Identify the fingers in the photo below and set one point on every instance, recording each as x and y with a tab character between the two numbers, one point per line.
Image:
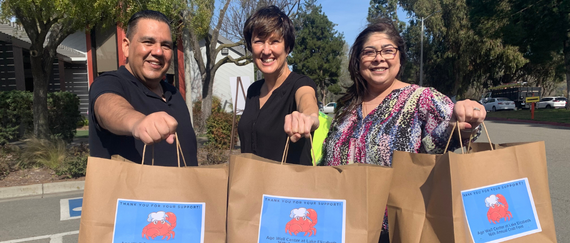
155	128
298	125
469	114
170	139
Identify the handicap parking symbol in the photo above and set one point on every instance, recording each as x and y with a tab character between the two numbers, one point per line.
70	208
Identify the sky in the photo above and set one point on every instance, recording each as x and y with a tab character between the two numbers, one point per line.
350	16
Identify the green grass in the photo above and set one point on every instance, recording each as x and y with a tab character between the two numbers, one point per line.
82	133
549	115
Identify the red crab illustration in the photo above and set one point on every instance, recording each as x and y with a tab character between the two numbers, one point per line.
160	227
499	210
303	224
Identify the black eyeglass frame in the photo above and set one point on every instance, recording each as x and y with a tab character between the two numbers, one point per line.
376	52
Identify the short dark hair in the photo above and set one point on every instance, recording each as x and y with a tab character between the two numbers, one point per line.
266	21
356	91
145	14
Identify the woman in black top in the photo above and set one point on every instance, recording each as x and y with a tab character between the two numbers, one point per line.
282	105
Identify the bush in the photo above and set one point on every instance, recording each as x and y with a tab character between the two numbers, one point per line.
219	127
16	117
9	159
64	114
214	155
83	121
48	153
75	165
15	114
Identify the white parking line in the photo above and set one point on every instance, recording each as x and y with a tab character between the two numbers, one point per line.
55	238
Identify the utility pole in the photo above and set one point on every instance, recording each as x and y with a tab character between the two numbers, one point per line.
422	49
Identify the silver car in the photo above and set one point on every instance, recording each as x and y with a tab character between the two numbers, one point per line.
499	103
551	102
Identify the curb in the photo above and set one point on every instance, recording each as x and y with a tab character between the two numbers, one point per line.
41	189
528	121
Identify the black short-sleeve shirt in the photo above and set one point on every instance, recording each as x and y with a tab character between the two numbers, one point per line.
104	144
261	130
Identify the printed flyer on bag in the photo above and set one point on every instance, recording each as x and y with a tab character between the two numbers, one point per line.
500	212
152	221
303	220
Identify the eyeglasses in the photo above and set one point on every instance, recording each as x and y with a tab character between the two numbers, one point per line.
388	53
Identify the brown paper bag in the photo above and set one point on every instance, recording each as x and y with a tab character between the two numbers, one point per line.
430	194
419	204
493	172
267	201
145	191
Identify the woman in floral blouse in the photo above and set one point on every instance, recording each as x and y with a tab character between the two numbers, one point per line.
380	114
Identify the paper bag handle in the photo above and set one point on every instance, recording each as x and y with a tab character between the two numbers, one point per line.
178	152
456	125
286	150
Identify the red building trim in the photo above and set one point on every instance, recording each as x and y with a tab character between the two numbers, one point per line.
122	60
181	76
90	70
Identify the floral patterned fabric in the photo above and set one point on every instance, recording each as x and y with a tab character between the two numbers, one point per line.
413	119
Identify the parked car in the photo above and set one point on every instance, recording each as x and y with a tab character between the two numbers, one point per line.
516	94
551	102
499	103
329	108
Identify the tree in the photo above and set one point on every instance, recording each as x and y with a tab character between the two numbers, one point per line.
198	19
47	23
411	69
318	49
170	8
457	57
385	9
540	29
382	8
240	10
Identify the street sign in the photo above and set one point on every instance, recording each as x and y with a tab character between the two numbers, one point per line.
532	99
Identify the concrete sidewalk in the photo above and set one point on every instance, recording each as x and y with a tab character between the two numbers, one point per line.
40	189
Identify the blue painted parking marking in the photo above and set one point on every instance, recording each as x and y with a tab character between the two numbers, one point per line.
70	208
75	207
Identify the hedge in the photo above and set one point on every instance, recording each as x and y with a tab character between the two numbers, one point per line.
219	127
16	114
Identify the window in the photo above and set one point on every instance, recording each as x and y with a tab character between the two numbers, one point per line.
225	51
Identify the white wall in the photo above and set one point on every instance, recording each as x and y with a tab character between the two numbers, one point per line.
221	87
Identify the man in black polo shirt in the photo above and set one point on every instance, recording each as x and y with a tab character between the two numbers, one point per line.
132	106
